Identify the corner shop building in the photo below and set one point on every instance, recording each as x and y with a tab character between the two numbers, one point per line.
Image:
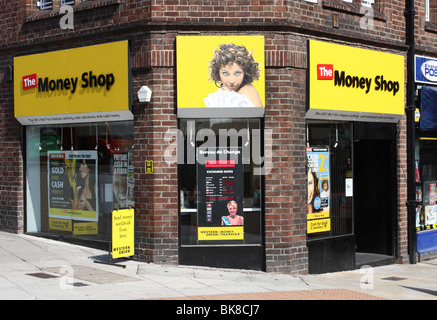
105	144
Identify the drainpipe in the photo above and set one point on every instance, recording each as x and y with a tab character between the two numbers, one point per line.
411	131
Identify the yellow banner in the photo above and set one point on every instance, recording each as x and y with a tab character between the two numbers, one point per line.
123	244
60	224
320	225
73	214
76	85
84	228
348	83
318	215
221	233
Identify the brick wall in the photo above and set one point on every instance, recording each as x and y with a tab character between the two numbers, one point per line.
11	162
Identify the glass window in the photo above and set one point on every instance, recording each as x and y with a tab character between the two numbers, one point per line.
210	182
76	175
426	184
329	163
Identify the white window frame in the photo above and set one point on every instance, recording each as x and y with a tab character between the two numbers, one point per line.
427	10
45	4
66	2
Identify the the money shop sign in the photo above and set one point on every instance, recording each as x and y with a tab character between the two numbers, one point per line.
84	84
348	83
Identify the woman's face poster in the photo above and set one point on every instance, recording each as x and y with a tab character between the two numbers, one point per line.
220	76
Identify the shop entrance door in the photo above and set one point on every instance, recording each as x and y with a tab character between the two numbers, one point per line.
374	200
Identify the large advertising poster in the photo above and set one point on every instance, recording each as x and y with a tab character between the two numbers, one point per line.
318	219
217	72
220	194
72	185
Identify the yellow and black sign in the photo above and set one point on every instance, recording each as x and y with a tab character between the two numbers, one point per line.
85	84
355	84
123	243
221	233
149	166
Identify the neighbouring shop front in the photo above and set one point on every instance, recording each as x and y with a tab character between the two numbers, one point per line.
356	98
75	108
426	157
220	143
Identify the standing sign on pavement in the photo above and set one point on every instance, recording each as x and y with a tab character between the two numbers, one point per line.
123	233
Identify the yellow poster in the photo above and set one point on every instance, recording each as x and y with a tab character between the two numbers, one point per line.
60	224
320	225
220	73
84	228
123	244
221	233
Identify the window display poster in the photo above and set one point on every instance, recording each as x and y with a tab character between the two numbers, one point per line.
72	185
123	180
429	218
318	190
220	194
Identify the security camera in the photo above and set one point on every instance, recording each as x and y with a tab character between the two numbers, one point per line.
144	94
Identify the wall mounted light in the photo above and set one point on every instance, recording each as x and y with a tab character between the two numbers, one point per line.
144	94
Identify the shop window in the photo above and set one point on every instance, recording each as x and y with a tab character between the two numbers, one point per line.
76	175
329	172
426	184
220	197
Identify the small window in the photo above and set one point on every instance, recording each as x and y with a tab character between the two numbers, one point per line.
66	2
45	4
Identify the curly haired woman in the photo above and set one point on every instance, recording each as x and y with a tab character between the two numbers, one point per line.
233	68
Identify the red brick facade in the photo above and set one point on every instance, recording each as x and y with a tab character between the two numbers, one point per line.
151	26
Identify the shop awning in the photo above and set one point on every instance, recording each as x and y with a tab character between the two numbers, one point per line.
428	108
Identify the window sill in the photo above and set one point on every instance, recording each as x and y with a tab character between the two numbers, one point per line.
81	6
351	8
430	27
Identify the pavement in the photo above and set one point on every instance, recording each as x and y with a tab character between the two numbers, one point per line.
35	268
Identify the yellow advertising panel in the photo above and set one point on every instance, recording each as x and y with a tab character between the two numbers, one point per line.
85	228
320	225
221	233
123	244
348	83
204	88
85	84
60	224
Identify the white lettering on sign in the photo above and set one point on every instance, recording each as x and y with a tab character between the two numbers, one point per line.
29	81
325	71
429	70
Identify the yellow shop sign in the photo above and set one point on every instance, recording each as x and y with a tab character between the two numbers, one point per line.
348	83
85	84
